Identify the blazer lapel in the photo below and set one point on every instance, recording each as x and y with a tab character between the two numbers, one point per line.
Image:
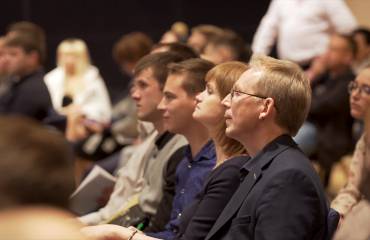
254	167
236	201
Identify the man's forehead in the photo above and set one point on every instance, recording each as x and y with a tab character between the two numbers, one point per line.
144	75
248	78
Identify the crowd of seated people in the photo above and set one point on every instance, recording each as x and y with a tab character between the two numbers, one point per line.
209	140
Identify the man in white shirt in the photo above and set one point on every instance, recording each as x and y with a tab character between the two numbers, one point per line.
302	28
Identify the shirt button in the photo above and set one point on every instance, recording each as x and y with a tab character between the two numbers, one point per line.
179	215
182	191
189	166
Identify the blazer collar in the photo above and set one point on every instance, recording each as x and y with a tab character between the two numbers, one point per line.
272	149
253	171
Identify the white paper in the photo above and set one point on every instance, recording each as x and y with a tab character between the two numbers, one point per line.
85	197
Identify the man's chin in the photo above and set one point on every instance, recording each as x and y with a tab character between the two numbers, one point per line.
229	132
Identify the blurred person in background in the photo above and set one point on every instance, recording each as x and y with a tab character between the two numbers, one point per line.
200	36
75	82
33	31
178	33
351	194
37	165
302	28
27	94
327	132
353	201
177	47
228	47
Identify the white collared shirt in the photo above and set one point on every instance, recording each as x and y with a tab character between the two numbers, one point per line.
302	27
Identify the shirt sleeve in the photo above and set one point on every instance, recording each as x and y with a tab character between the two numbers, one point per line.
267	31
340	16
218	194
350	194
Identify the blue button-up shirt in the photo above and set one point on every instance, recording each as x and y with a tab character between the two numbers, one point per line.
190	176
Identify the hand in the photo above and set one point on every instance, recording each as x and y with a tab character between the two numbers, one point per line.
104	197
93	126
106	232
75	128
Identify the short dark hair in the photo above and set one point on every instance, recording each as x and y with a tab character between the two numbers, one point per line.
158	63
180	48
26	43
195	70
37	162
365	32
31	31
131	47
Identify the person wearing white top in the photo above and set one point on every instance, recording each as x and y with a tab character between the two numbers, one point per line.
302	28
76	82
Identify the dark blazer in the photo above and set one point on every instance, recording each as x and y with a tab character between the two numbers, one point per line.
281	197
330	112
198	218
28	96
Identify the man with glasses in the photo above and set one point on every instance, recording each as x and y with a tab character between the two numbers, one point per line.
280	195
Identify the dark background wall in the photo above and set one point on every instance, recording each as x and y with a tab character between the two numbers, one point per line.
101	23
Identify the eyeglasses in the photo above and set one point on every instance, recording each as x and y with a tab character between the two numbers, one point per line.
352	86
235	92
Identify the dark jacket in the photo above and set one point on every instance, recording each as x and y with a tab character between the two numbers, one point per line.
27	96
281	197
330	112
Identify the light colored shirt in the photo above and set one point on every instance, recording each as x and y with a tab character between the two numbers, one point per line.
350	195
140	176
302	27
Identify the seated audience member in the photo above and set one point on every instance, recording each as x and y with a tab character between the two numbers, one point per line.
178	33
228	47
33	31
197	219
350	195
75	82
27	95
201	34
39	223
328	131
177	108
37	165
140	178
356	224
180	48
281	196
362	59
127	51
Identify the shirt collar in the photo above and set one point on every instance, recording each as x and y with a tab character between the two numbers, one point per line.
163	139
206	152
268	152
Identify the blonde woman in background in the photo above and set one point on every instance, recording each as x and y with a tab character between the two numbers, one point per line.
75	82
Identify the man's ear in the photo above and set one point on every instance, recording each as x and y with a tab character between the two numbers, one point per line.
34	57
268	108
